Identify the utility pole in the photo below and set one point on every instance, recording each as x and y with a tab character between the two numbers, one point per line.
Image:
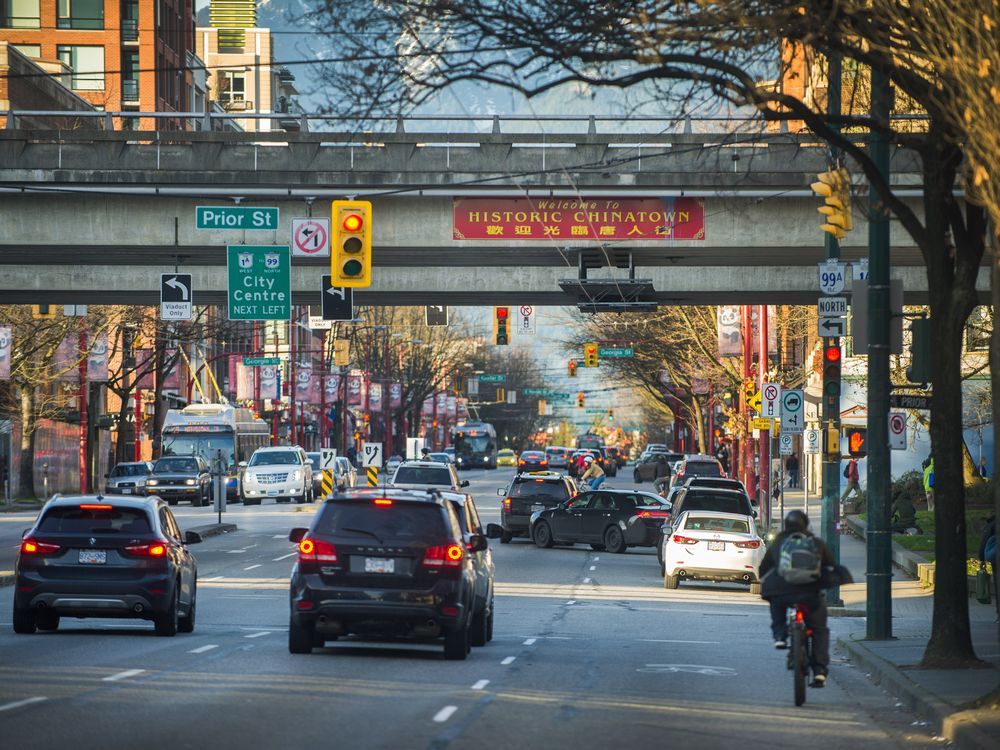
764	449
879	474
84	385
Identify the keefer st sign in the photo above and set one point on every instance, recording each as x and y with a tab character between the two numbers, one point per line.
259	282
235	217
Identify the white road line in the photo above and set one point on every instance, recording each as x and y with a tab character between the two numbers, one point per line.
234	551
285	557
480	685
280	536
25	702
508	660
251	567
258	635
571	601
215	578
530	642
593	567
586	580
123	675
597	558
445	713
659	640
203	649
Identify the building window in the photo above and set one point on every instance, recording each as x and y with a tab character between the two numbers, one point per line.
80	14
978	329
34	51
232	87
19	14
86	64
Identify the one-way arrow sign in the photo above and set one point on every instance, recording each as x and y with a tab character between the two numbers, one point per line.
832	327
338	301
175	296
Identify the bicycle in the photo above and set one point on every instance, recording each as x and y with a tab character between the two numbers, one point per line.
800	651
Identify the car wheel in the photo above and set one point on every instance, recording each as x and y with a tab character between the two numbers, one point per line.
637	477
542	535
755	588
47	620
670	582
479	629
489	624
166	625
614	540
300	638
24	621
456	643
185	624
663	568
597	547
506	536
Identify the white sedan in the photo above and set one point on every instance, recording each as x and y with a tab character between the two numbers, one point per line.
710	546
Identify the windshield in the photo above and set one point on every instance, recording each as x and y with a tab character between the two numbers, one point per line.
473	444
441	457
205	445
421	523
313	460
76	520
175	465
130	470
552	490
275	458
702	468
422	475
730	503
708	523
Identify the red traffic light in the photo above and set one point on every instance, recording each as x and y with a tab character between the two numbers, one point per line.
831	354
502	313
353	222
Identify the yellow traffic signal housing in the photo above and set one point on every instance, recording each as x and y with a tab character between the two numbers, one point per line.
43	312
341	352
832	441
835	188
351	243
590	355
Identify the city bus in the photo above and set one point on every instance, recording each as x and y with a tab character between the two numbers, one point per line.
475	445
207	429
589	440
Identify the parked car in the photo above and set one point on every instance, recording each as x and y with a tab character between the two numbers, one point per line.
181	478
528	493
697	465
128	478
712	546
424	474
558	456
99	556
532	461
506	457
345	475
386	560
645	467
481	627
442	457
281	472
605	519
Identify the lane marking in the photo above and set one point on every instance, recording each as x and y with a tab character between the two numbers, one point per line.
661	640
480	684
445	713
25	702
597	558
280	536
593	567
530	642
252	567
508	660
586	580
123	675
203	649
285	557
258	635
571	601
216	578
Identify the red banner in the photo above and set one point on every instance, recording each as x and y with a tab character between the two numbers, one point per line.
579	219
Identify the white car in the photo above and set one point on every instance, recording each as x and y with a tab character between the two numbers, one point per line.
424	474
706	545
283	473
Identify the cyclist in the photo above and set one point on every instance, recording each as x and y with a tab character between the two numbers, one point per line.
594	475
781	594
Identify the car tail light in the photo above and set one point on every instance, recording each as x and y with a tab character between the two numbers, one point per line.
506	505
317	550
91	506
383	501
749	545
449	611
153	549
31	546
683	539
653	514
543	462
444	556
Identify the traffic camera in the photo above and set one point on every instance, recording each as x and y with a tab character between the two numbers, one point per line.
351	249
590	355
835	188
501	326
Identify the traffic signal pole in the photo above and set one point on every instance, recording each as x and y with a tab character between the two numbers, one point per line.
879	576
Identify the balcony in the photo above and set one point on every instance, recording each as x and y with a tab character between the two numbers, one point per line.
237	105
130	30
130	92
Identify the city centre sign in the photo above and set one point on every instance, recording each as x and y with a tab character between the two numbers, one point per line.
260	283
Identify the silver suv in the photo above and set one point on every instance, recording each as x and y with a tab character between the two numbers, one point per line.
128	478
282	472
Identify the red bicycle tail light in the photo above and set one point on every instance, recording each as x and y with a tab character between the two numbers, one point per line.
31	546
683	539
353	222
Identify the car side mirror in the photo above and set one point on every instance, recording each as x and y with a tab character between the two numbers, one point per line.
667	529
192	537
243	464
295	535
465	483
478	543
753	513
501	492
494	530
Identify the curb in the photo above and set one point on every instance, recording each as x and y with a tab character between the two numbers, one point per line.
960	727
6	579
214	529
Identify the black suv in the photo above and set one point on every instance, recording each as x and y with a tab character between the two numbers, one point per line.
181	478
528	493
697	497
95	556
385	561
481	628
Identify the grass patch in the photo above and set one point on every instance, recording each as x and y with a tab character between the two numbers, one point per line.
975	519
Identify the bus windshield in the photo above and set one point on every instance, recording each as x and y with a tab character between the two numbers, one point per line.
472	444
205	444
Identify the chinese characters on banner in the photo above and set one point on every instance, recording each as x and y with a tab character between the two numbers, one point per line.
6	347
578	218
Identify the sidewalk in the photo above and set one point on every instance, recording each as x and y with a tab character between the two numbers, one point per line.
946	697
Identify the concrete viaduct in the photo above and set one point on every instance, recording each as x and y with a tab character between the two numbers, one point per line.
95	216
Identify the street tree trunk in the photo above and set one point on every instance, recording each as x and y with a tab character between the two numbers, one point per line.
994	235
26	470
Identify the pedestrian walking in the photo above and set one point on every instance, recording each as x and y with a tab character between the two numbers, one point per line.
988	554
982	468
853	477
929	482
792	465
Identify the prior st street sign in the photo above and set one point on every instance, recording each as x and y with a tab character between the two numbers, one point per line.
259	282
235	217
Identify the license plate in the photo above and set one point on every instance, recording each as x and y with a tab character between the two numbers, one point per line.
93	556
537	507
716	546
380	565
272	493
126	490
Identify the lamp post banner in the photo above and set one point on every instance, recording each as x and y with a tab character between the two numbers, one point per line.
97	359
5	350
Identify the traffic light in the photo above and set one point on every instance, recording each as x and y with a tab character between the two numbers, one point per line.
835	188
40	312
501	326
572	368
611	413
580	398
541	407
351	249
919	370
831	376
857	441
590	355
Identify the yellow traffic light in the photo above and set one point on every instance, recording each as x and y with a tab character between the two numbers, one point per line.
40	312
580	399
835	188
341	352
351	243
572	368
590	355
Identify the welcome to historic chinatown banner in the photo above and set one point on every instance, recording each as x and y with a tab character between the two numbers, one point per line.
579	219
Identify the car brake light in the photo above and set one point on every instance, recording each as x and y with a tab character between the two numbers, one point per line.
316	550
445	555
749	545
154	549
96	507
506	504
653	514
383	501
683	539
31	546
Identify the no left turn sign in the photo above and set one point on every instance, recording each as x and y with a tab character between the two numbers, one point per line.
311	238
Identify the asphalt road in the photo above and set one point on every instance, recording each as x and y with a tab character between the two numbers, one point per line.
590	651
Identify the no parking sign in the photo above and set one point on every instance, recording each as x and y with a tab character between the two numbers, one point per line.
897	431
526	319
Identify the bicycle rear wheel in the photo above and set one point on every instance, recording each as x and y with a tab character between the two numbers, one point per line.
800	663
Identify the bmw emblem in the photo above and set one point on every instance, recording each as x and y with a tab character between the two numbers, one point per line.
93	541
